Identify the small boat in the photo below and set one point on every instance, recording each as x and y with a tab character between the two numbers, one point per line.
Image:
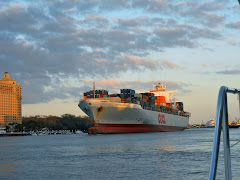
233	125
2	131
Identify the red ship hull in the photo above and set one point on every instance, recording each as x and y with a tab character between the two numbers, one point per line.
130	128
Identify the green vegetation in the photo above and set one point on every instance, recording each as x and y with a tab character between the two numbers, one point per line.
65	122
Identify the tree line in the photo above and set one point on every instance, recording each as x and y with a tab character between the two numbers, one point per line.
64	122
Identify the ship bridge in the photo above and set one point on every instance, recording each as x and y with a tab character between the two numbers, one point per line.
160	90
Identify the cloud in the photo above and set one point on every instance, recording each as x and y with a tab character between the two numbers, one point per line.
180	35
228	72
212	20
48	43
16	6
107	83
234	25
193	11
170	65
153	6
202	12
233	42
223	72
143	62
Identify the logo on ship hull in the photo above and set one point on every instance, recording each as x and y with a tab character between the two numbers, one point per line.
161	119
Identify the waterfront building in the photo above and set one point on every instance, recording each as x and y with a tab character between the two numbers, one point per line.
10	101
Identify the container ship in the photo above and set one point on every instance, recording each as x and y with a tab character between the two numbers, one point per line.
130	112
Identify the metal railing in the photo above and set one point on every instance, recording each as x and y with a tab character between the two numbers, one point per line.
222	123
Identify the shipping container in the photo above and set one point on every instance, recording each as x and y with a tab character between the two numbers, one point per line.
89	94
168	105
114	95
128	91
160	98
150	94
139	95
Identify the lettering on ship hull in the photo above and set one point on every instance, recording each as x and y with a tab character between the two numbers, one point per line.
161	119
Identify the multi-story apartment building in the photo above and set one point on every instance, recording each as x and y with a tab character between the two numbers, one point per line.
10	101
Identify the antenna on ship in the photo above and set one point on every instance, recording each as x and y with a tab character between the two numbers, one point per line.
93	89
153	85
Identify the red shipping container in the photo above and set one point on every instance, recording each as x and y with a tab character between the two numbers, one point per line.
84	97
161	97
150	94
168	104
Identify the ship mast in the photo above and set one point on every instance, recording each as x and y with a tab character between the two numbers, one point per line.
93	89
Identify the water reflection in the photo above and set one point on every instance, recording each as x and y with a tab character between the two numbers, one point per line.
163	148
8	151
125	148
6	167
114	148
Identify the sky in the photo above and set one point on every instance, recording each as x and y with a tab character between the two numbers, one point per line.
57	49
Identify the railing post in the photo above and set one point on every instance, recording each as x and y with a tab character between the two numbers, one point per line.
217	134
222	122
239	102
227	158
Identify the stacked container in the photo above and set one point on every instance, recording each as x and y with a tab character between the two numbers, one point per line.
160	101
148	100
179	105
114	95
98	94
127	95
168	106
137	98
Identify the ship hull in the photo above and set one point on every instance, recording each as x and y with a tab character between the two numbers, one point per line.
112	116
130	128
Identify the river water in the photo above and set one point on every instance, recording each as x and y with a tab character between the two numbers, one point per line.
165	155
